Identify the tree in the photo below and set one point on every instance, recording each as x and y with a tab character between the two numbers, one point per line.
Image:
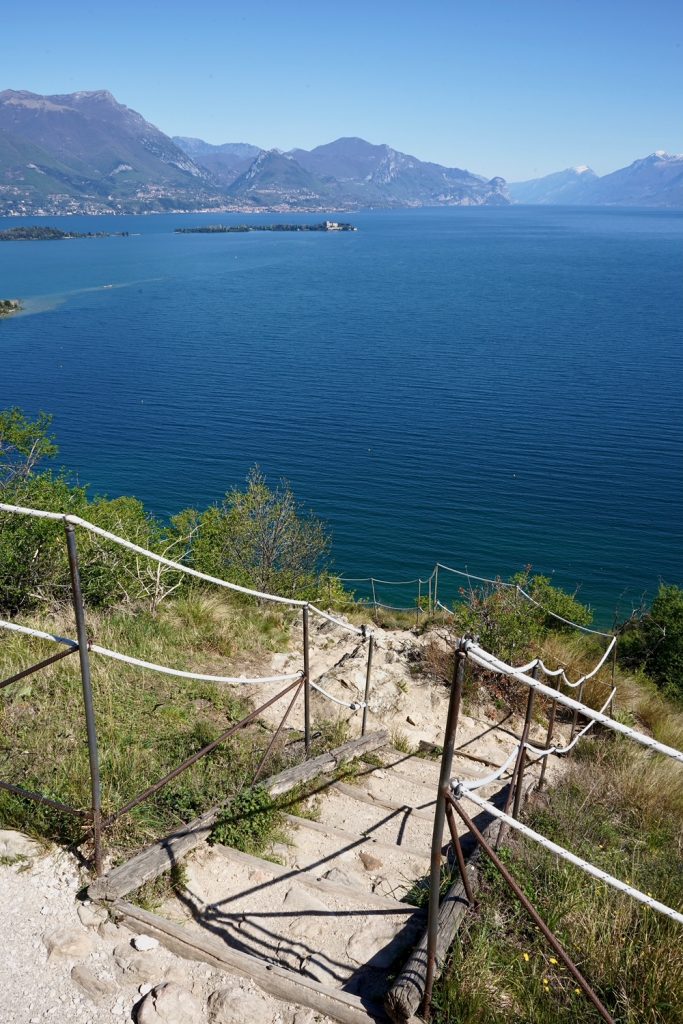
262	538
24	443
653	640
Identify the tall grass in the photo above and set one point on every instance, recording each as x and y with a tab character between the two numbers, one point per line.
147	723
621	808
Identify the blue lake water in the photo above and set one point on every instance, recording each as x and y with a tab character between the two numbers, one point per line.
487	387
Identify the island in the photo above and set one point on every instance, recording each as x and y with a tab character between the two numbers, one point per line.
38	233
9	306
240	229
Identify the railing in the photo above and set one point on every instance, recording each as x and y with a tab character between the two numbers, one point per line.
296	683
452	792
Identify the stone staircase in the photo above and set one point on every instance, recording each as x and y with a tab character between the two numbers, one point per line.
334	901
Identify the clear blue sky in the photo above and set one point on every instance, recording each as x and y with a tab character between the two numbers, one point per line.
512	87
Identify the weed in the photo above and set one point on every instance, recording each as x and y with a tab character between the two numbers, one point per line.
249	823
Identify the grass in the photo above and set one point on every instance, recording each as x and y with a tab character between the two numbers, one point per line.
147	723
621	808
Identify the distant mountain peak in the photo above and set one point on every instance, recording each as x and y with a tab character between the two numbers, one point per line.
583	169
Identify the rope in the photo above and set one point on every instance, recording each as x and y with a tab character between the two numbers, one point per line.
165	670
565	750
77	521
471	576
354	705
560	851
493	664
16	628
567	622
480	783
339	622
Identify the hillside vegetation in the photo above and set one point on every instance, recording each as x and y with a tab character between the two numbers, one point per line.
618	805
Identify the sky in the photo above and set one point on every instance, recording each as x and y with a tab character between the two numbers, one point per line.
517	88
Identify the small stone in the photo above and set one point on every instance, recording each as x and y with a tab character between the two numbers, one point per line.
369	862
235	1005
16	844
109	931
146	987
341	877
414	718
171	1004
95	987
91	915
379	774
144	942
69	942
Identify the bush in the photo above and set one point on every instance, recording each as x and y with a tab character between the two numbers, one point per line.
654	641
263	538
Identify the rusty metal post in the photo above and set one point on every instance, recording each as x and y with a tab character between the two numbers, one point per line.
453	826
307	683
535	916
549	734
519	779
436	586
419	598
439	820
86	683
575	716
366	697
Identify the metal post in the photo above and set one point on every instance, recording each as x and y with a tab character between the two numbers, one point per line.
519	779
534	915
307	685
436	585
371	647
575	716
419	598
453	826
429	597
91	729
549	734
374	598
439	820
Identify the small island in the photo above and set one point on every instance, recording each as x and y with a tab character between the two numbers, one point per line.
9	306
240	229
38	233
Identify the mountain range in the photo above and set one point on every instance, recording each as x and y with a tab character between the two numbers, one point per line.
84	152
656	180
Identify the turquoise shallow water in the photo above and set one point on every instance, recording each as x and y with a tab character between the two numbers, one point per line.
489	387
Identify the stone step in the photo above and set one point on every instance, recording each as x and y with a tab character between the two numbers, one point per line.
326	930
361	861
346	807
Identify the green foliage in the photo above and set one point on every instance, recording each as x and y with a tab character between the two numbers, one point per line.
249	823
510	625
24	443
263	538
654	642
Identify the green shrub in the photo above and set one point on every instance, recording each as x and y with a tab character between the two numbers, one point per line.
249	823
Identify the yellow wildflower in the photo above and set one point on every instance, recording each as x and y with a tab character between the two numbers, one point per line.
553	960
526	957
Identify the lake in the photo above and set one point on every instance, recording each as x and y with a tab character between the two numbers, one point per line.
488	387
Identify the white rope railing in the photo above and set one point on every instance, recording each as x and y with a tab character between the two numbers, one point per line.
150	666
479	579
181	674
354	705
571	858
492	664
340	622
560	618
547	751
14	627
161	559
